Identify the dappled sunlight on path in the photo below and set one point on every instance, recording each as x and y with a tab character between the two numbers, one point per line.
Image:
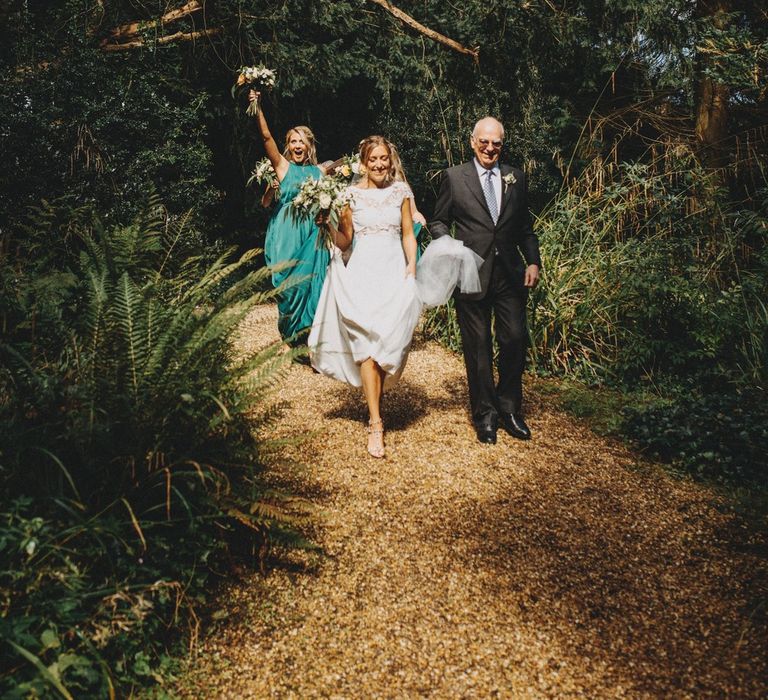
553	568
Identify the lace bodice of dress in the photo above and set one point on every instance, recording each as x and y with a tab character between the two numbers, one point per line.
377	211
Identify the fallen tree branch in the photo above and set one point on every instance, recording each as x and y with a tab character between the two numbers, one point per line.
178	36
426	31
133	28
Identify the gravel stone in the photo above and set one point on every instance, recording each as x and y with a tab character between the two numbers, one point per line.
560	567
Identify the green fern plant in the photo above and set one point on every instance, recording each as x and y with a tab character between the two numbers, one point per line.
131	430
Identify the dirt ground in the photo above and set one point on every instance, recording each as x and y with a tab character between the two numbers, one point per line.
559	567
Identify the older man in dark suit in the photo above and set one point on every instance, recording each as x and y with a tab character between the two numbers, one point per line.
488	204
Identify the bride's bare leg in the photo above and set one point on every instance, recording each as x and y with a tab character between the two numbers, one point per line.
373	383
372	376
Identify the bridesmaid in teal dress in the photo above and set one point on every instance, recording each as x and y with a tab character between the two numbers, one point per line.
289	239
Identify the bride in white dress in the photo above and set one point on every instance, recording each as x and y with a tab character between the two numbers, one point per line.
369	308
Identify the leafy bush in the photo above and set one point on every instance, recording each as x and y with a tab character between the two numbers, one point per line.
127	423
640	295
720	435
103	130
633	288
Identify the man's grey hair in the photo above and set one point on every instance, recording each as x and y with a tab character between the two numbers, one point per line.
488	120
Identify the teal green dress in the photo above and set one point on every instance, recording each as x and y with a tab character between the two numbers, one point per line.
289	238
417	229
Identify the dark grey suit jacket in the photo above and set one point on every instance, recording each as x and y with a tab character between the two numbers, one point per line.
511	242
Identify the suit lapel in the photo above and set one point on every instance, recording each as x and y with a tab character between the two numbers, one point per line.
473	184
507	191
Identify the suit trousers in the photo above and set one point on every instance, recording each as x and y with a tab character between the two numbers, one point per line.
506	302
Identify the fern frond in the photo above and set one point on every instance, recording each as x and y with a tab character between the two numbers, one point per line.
169	328
216	274
129	316
95	331
172	238
94	256
20	371
267	512
252	281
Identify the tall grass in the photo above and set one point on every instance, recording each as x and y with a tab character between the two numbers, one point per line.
638	265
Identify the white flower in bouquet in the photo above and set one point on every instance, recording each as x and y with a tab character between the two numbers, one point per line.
324	198
264	173
258	78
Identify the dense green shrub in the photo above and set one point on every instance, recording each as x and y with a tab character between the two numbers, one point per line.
713	434
634	288
102	131
127	442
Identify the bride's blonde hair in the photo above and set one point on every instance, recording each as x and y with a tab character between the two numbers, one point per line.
394	156
308	137
371	142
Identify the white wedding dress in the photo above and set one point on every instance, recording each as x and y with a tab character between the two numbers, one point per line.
369	308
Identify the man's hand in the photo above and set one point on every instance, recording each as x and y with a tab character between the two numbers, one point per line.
531	276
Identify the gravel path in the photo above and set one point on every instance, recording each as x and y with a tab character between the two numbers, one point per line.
553	568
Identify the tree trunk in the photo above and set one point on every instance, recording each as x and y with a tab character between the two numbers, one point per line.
711	96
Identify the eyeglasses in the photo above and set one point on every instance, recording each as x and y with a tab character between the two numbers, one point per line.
484	143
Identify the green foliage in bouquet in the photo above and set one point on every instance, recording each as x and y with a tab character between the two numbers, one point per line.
326	197
264	174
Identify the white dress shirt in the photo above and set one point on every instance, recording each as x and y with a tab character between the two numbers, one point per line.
496	179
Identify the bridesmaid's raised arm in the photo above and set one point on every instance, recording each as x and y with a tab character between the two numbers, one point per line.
279	162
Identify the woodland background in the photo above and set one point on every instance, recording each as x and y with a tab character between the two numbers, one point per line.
127	262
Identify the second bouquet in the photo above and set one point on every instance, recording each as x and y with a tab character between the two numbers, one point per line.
322	199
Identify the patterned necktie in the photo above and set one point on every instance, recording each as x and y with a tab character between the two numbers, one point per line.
490	196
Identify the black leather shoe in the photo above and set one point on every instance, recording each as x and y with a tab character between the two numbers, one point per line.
486	434
514	424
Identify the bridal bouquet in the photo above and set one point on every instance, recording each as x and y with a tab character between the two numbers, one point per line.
264	173
347	167
256	78
324	198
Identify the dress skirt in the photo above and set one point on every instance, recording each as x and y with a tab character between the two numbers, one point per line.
367	309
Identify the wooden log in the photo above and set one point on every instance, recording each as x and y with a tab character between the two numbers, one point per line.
131	29
162	40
